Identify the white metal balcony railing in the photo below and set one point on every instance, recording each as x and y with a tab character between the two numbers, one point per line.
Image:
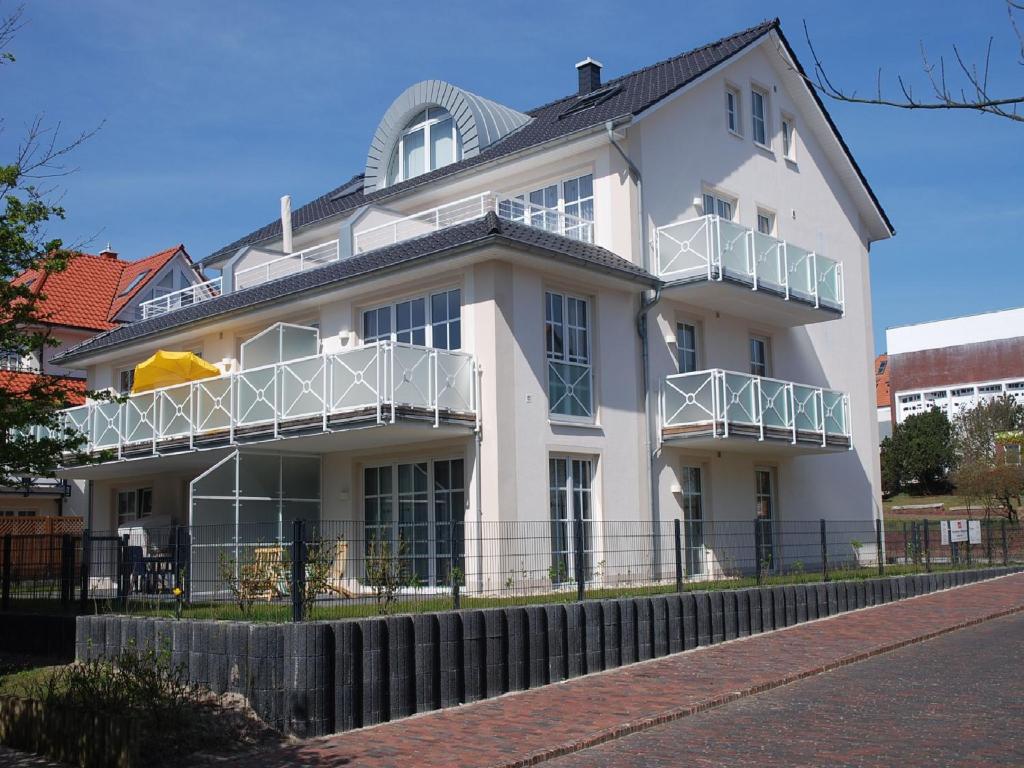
467	209
711	247
373	381
184	297
289	264
725	400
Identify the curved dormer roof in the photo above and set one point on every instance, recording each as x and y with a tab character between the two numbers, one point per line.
480	123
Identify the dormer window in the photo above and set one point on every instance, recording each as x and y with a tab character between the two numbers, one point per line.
429	141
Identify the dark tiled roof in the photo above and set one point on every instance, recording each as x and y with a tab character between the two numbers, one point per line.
484	230
635	92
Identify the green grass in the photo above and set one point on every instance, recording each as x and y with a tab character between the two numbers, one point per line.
20	681
281	612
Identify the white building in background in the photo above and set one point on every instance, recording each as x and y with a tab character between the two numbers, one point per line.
645	300
956	363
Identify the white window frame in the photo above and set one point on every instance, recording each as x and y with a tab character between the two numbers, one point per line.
551	356
136	495
680	349
569	496
769	215
522	197
398	156
788	129
718	200
766	341
125	375
762	92
428	312
773	502
735	115
693	527
434	553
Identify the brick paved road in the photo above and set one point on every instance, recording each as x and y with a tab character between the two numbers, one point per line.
524	728
947	701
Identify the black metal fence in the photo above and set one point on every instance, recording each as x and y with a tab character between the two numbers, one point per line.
298	569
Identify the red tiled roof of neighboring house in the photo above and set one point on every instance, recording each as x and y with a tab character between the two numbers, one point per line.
882	381
94	288
18	382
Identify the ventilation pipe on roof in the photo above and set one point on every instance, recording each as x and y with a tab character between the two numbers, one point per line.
108	252
286	223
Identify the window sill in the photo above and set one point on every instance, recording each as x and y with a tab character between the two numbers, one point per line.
765	148
791	163
587	425
734	134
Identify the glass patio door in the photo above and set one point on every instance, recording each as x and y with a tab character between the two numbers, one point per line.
764	500
693	519
570	493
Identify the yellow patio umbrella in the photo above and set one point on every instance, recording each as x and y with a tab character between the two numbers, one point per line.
165	369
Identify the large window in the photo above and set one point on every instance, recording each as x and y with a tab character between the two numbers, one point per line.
434	321
759	116
764	507
541	207
570	491
430	140
686	347
692	491
718	205
567	343
416	509
135	504
759	356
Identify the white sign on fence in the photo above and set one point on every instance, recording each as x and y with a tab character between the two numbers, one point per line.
955	530
974	531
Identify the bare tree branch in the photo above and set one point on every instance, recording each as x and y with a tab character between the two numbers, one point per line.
973	95
9	26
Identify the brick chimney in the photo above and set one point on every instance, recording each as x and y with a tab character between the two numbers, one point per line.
108	253
589	75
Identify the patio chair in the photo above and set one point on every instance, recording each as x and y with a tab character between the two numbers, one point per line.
262	578
336	575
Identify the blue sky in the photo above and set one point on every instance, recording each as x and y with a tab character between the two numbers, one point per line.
214	110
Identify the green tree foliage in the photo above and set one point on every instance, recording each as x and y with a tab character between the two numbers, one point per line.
919	455
975	430
26	207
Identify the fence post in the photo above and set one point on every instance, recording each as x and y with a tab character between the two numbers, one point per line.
67	569
580	570
298	585
453	564
988	541
927	548
83	585
123	575
757	548
1006	557
679	554
906	545
824	552
878	546
7	548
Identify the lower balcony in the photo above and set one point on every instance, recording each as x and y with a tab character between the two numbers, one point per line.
715	408
385	383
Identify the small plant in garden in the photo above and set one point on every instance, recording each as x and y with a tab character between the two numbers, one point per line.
319	563
797	567
557	572
386	572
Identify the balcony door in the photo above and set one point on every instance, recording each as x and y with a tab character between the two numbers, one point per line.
570	491
764	506
693	518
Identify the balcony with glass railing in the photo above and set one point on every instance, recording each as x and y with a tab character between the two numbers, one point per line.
714	408
288	264
715	252
378	384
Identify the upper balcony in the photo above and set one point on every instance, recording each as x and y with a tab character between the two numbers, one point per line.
378	384
184	297
753	413
713	259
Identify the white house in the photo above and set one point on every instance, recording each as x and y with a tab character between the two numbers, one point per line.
647	300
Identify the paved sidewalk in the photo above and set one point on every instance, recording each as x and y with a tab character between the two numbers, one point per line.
953	700
525	728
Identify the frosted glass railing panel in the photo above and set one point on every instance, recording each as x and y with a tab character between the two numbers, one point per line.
106	430
806	410
801	270
569	388
213	404
768	261
301	388
684	249
455	381
140	418
734	249
830	284
834	407
255	396
411	375
739	396
775	405
78	418
356	378
689	398
174	411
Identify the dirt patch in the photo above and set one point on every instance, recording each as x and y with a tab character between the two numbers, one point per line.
224	726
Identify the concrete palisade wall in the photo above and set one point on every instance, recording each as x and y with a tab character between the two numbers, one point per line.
316	678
